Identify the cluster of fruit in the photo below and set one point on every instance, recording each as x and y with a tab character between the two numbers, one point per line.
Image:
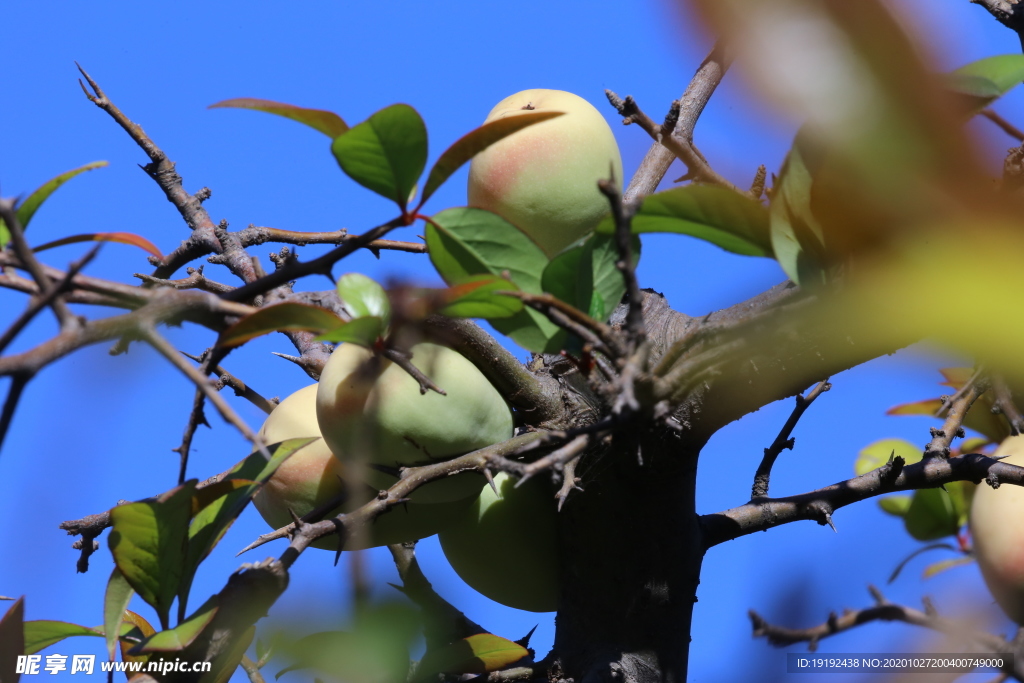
374	420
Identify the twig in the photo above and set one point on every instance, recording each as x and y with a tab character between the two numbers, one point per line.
31	264
557	458
953	425
293	269
241	389
591	331
1003	124
883	610
195	280
40	302
658	158
570	482
623	215
14	391
162	170
683	149
784	440
252	670
1003	404
154	339
404	361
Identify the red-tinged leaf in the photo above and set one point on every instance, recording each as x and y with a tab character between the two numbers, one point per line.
476	141
477	654
142	629
928	407
115	602
939	567
327	122
288	316
27	209
120	237
12	641
956	377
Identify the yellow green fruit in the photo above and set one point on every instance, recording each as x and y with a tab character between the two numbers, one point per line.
372	410
312	477
506	547
998	534
543	179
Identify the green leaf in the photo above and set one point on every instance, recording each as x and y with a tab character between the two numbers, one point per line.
585	276
796	237
476	141
12	640
477	298
287	316
115	601
363	331
931	515
215	518
182	635
714	214
362	296
480	653
327	122
120	237
989	78
27	209
895	505
386	153
148	542
43	633
877	454
463	242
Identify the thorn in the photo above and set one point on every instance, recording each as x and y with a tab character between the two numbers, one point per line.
295	359
828	518
490	480
525	640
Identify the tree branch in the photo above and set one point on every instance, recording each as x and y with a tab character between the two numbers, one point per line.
767	513
784	440
658	159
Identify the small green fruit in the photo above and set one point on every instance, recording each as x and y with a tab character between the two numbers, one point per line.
312	477
372	409
543	179
507	547
998	535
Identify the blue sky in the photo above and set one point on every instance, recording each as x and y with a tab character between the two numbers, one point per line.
93	429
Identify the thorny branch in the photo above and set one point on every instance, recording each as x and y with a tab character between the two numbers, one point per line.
784	440
699	169
658	158
1009	13
883	610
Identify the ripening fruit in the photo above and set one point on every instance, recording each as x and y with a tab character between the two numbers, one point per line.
507	547
998	534
371	409
312	477
543	179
